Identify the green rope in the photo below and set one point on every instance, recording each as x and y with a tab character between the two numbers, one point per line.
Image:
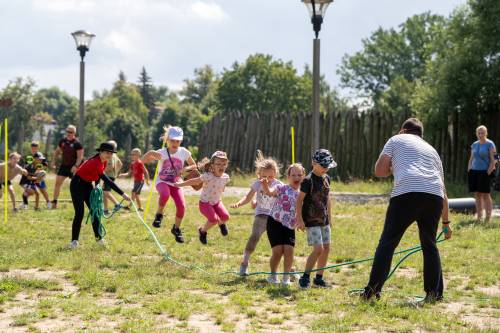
96	210
167	256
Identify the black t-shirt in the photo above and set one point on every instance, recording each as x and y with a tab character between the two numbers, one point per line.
315	206
69	148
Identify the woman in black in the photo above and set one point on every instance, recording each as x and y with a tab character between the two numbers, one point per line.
92	170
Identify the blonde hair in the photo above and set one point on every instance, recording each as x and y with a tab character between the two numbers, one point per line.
136	151
14	154
293	166
482	127
71	127
265	163
164	137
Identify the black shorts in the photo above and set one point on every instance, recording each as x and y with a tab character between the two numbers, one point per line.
137	187
278	234
479	181
106	187
65	171
2	183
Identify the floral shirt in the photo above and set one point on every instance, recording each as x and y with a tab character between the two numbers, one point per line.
213	187
284	207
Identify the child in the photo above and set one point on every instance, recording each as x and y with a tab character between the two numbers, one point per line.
281	222
172	160
13	169
214	180
92	170
33	179
314	214
42	186
266	168
112	169
139	171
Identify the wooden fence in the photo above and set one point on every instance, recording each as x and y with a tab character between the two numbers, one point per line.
355	139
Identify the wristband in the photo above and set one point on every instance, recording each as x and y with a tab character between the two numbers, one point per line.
445	223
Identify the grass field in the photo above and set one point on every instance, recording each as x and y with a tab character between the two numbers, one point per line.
128	287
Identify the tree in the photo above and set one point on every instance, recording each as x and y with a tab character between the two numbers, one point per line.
201	90
391	56
145	84
21	113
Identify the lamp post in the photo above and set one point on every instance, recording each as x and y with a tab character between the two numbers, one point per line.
82	40
317	11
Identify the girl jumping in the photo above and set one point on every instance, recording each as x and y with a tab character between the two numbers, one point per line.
214	180
281	222
265	168
172	160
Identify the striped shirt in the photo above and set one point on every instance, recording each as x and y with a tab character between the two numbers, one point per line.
416	165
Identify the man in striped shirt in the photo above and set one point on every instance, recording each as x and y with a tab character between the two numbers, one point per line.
418	195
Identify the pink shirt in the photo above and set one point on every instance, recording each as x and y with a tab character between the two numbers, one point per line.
213	187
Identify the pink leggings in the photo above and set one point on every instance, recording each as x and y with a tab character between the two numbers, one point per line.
166	191
214	213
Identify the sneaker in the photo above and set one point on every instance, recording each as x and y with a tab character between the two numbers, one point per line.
73	245
294	277
157	220
127	208
102	242
15	210
49	205
37	209
203	236
177	233
431	298
223	229
319	282
106	212
273	279
23	206
243	270
304	282
285	281
140	210
54	204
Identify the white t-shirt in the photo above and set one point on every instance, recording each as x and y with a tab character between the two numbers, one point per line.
264	201
168	173
416	165
213	187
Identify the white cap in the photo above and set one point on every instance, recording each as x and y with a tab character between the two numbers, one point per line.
175	133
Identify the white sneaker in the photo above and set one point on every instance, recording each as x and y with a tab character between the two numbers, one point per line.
73	245
102	242
23	206
49	205
285	282
273	279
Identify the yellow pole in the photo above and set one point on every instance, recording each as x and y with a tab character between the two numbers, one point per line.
292	133
152	187
5	202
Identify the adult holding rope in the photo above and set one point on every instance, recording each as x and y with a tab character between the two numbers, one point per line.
92	170
419	194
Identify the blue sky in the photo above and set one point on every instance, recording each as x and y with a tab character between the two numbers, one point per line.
172	38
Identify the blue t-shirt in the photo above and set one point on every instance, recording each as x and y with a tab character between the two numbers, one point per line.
481	154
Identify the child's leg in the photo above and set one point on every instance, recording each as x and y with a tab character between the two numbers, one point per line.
137	199
37	199
313	257
180	204
164	194
323	258
45	194
288	258
276	255
106	198
221	212
258	228
12	195
208	211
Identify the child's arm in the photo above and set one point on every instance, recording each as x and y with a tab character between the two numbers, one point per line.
298	211
190	182
265	187
329	209
125	174
246	199
146	174
151	155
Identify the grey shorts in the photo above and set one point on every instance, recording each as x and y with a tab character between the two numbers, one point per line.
137	187
318	235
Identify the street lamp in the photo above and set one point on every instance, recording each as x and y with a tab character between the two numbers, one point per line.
82	40
317	11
